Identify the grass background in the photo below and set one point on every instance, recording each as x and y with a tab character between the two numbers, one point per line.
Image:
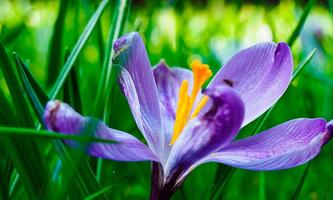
63	51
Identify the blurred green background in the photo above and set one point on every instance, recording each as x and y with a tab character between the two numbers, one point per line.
178	32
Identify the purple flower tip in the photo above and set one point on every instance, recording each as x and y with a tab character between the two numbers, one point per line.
123	43
119	44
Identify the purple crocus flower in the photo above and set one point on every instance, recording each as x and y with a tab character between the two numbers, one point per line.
184	127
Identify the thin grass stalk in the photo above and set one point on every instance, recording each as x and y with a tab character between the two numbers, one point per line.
77	49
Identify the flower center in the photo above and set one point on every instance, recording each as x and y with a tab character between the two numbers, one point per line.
201	73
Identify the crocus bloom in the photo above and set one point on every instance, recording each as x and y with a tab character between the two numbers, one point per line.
184	127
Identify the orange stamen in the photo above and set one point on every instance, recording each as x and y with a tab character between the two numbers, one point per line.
201	73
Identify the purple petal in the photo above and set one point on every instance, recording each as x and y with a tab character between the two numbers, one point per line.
287	145
215	127
130	53
60	117
168	81
260	74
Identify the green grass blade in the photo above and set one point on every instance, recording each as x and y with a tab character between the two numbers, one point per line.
14	183
5	171
330	6
42	96
38	106
77	49
222	173
226	173
301	182
14	86
76	170
102	105
99	193
103	92
86	177
302	65
29	185
71	89
24	132
78	174
67	85
6	117
32	167
262	190
6	110
262	120
301	22
9	35
100	40
55	48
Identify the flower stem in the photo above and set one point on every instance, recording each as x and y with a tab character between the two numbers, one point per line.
162	188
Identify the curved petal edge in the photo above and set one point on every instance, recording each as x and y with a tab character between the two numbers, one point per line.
260	74
284	146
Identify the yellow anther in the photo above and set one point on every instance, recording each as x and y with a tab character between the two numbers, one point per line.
182	95
183	110
201	73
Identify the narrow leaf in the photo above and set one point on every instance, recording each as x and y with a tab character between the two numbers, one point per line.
226	174
102	105
76	170
77	49
71	88
42	96
34	99
14	86
55	48
301	22
103	92
99	193
262	190
6	114
301	182
302	65
14	131
32	167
